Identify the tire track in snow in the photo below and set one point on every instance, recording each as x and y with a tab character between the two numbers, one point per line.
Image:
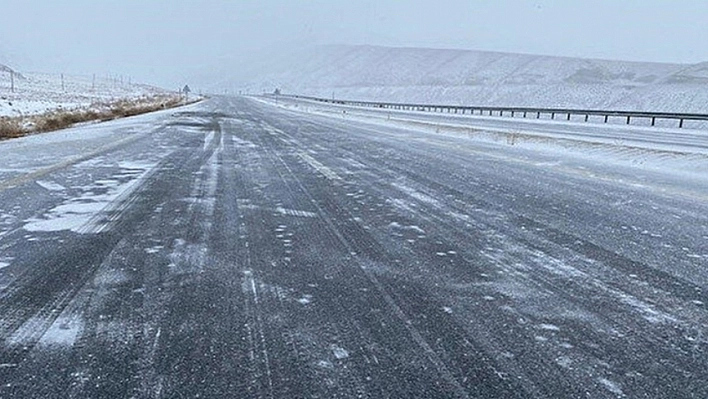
417	337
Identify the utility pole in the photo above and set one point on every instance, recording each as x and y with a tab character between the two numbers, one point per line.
93	83
62	83
12	81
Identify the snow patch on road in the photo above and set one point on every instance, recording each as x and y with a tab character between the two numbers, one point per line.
110	278
416	229
51	186
611	386
63	332
187	258
155	249
305	300
647	311
417	194
240	143
295	212
70	216
339	352
565	362
81	214
208	139
318	166
549	327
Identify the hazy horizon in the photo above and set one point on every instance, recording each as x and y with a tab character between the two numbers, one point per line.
169	43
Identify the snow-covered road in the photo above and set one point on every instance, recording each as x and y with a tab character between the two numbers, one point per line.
236	249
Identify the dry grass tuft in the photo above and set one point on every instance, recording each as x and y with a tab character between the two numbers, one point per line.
58	120
10	128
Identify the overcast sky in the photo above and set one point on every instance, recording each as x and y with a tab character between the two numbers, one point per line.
164	41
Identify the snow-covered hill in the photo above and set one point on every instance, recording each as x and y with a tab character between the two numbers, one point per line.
477	77
36	93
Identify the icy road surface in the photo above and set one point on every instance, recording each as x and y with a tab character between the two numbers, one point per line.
238	250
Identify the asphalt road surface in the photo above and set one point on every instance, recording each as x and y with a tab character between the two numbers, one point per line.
237	250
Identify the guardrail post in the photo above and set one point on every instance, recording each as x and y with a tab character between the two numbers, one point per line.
553	115
653	121
607	118
568	116
538	115
629	118
524	114
587	117
681	123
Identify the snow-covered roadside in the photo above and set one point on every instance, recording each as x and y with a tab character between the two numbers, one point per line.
14	127
32	103
673	152
38	93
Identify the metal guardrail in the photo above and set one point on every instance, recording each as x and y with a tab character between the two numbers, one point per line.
536	113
